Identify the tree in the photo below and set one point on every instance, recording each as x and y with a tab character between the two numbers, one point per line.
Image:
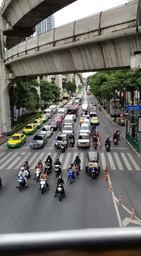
70	86
49	91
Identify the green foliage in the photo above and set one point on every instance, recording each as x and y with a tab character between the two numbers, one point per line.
70	86
49	91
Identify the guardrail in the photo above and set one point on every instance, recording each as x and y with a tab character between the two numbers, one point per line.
133	142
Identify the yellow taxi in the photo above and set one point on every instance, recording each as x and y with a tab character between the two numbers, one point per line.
94	120
30	129
16	140
44	118
38	123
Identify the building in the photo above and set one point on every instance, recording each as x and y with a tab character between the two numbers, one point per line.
45	25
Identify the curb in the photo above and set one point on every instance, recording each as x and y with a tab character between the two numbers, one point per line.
138	154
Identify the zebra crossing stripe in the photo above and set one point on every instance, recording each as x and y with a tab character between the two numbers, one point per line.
14	162
126	162
133	162
8	160
112	166
82	160
22	161
1	154
54	157
32	158
120	166
66	163
5	157
61	157
103	161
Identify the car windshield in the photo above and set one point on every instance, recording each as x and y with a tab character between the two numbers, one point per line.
67	128
59	138
28	127
94	118
83	137
45	129
84	127
37	137
15	138
53	123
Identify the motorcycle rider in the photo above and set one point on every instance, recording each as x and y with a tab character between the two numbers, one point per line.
60	182
57	162
108	141
118	133
71	172
49	160
22	173
39	165
44	177
77	161
71	139
64	143
115	136
26	165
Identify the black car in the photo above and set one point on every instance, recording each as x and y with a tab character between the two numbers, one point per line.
39	141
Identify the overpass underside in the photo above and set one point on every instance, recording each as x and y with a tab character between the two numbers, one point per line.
103	53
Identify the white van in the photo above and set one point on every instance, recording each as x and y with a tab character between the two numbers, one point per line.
48	112
54	108
68	120
61	112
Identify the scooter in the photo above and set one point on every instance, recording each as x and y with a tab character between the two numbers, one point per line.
115	141
21	182
71	177
60	192
108	147
95	145
43	185
57	170
62	147
37	174
48	168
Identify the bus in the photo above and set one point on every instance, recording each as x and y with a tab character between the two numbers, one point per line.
73	109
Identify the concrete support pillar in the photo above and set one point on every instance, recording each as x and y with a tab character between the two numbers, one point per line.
58	81
5	117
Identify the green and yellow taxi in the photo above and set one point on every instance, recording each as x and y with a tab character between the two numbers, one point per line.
30	129
121	121
44	118
94	120
16	140
38	123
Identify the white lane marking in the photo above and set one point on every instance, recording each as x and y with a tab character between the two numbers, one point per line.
31	160
120	166
126	162
54	157
7	156
66	162
61	157
112	166
22	161
103	161
8	160
133	162
1	154
82	160
13	163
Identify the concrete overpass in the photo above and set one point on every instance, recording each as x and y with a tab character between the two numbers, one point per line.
103	41
20	17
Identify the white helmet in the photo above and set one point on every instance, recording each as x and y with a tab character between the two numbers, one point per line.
22	168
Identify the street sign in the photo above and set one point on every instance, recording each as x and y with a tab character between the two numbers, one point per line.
133	107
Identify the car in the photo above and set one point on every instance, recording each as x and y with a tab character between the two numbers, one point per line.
47	130
84	128
54	125
30	129
94	120
44	118
39	141
92	114
38	122
92	166
68	129
86	121
83	140
82	118
58	119
16	140
59	139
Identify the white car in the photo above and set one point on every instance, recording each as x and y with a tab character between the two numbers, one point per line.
84	128
68	129
48	130
83	140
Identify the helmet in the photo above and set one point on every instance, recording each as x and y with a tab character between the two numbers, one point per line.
22	168
40	161
71	165
25	161
48	156
108	136
60	177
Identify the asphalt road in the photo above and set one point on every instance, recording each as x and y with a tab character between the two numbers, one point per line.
88	204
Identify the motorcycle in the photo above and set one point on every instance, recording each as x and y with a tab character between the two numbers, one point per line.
115	141
93	172
57	170
71	177
37	174
48	167
21	182
95	145
62	147
43	185
60	192
108	147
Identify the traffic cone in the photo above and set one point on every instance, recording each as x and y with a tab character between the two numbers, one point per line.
133	215
106	176
120	200
111	188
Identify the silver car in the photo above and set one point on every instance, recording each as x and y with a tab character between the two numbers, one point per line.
47	129
68	129
83	140
84	128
